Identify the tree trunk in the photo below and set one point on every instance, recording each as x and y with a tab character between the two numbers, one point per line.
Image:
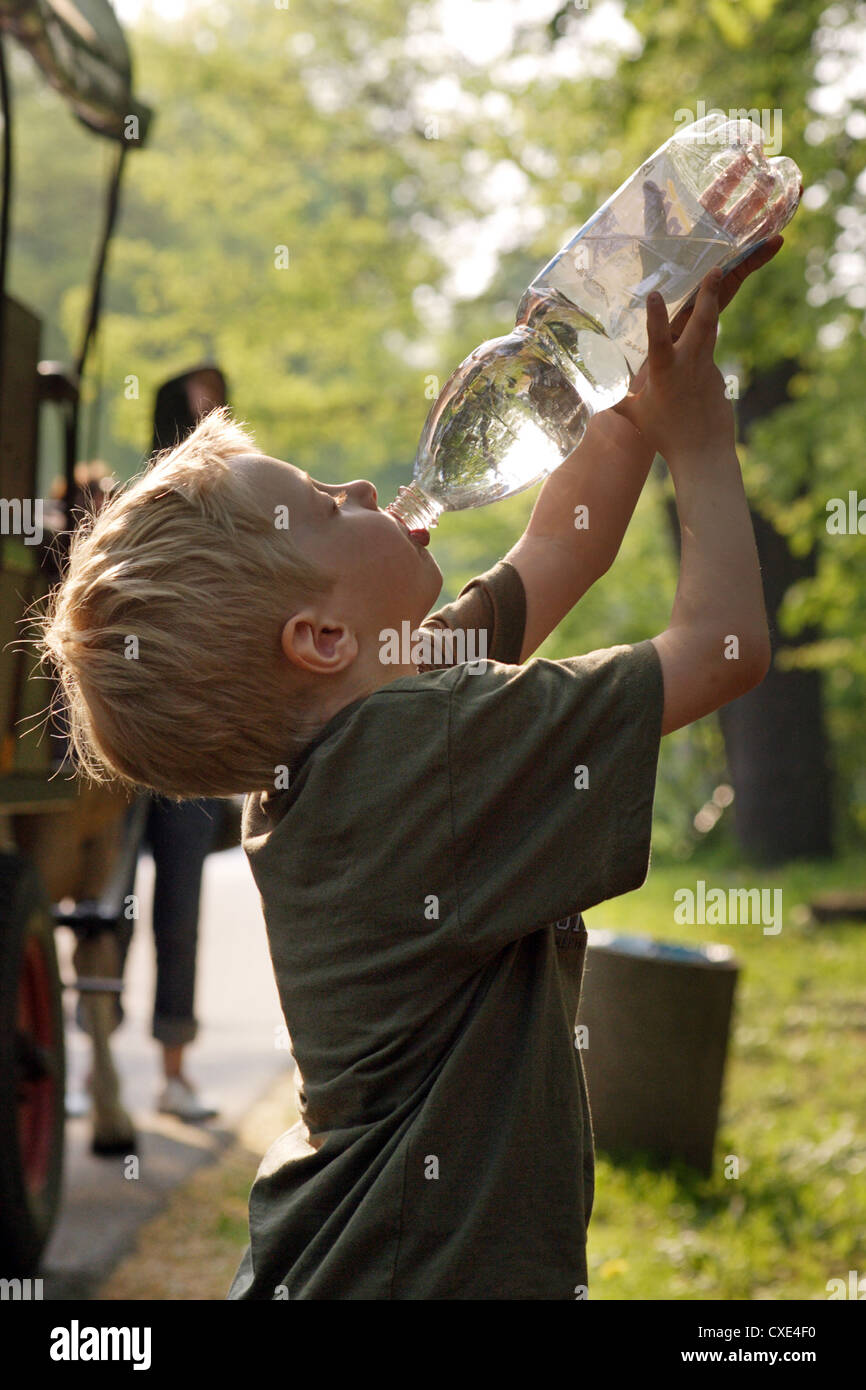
775	738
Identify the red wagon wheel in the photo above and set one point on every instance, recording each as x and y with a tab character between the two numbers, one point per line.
32	1068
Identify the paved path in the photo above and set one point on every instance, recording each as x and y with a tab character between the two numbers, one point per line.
234	1060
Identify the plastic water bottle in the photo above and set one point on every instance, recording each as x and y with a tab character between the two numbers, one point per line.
518	405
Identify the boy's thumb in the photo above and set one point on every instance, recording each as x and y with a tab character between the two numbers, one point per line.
625	407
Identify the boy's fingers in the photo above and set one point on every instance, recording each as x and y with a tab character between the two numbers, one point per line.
661	343
733	279
703	324
624	408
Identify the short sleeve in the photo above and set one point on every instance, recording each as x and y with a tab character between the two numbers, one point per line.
493	603
552	768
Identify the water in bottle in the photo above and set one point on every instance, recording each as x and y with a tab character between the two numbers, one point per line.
518	405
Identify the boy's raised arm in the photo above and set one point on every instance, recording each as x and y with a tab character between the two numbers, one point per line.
578	523
563	552
716	645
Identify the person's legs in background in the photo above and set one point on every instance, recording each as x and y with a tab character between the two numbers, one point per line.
180	836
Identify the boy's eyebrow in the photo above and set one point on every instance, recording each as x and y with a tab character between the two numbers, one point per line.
319	491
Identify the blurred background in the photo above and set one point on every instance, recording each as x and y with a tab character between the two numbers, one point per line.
337	202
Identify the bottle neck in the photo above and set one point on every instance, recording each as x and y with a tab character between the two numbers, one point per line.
415	508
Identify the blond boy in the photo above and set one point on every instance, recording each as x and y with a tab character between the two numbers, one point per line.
424	837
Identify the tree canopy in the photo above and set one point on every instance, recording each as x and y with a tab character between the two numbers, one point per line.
338	202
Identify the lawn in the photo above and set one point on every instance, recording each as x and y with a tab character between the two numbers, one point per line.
792	1113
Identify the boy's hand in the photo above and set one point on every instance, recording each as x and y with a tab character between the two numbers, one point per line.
682	408
733	279
731	282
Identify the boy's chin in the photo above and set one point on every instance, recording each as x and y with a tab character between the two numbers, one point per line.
435	581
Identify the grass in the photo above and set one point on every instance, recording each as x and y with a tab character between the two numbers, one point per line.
792	1114
192	1249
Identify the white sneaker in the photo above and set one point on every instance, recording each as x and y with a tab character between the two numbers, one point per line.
179	1098
78	1104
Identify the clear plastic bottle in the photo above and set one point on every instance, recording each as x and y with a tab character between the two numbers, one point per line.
518	405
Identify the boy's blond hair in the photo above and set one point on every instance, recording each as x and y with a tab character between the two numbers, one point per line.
165	632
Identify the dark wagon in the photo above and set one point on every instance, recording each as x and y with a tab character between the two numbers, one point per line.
80	49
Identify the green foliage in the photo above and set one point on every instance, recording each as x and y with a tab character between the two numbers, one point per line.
362	143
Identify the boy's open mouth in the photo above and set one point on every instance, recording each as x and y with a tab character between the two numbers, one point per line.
421	535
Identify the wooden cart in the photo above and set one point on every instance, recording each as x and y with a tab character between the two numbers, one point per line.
49	826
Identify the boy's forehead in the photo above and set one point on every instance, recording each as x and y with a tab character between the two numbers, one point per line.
266	469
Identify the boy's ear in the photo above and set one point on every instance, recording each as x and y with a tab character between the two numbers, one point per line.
311	642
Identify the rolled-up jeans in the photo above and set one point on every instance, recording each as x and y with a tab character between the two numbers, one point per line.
180	836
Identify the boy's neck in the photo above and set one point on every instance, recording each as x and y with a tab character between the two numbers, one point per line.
361	681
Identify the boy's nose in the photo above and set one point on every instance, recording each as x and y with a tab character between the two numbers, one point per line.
365	492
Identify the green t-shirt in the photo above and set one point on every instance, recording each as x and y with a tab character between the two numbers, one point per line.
422	878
